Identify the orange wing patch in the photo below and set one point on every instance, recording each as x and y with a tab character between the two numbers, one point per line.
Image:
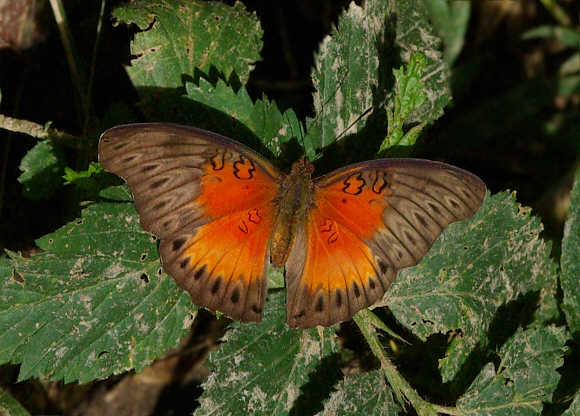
233	186
338	274
223	264
211	202
354	205
366	222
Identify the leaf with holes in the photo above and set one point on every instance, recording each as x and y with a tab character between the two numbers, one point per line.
179	38
94	303
525	377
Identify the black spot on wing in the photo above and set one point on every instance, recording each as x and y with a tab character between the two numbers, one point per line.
178	243
235	297
216	285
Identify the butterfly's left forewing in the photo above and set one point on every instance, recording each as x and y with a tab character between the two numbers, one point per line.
366	222
209	200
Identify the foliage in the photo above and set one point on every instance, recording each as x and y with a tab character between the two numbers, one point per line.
42	168
571	262
409	95
96	302
10	406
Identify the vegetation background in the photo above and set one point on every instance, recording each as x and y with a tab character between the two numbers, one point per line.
513	121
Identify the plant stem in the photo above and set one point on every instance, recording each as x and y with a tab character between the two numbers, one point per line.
402	389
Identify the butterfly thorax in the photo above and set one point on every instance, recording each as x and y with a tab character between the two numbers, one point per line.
293	202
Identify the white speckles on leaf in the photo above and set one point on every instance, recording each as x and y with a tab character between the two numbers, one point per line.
256	400
234	377
357	12
188	320
76	272
267	363
311	348
114	270
516	383
60	352
82	302
511	260
359	394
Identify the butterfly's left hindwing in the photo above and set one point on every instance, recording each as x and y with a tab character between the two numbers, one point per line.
209	200
366	222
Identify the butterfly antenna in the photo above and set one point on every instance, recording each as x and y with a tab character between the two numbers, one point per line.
331	97
359	118
302	135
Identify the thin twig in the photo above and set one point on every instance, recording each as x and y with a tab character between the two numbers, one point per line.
39	131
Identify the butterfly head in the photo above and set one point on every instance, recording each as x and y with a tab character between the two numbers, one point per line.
303	167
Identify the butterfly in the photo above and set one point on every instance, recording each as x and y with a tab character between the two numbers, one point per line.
223	212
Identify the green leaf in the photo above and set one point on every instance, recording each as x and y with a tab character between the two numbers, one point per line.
353	66
574	409
120	193
567	70
90	182
95	303
9	406
362	394
416	35
42	168
408	96
450	18
525	377
179	37
267	369
565	35
346	71
263	119
571	262
473	268
71	176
